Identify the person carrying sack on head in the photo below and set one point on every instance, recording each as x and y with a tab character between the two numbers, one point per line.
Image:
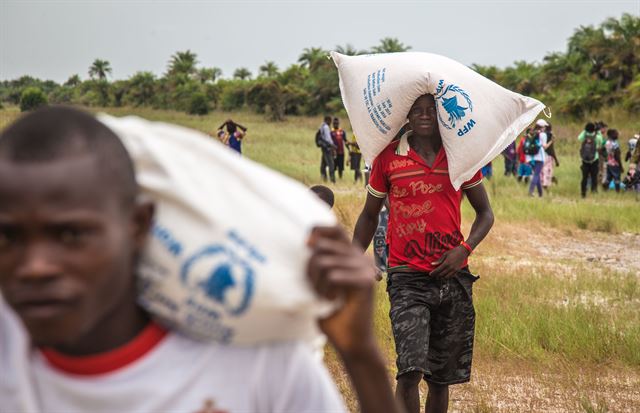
429	282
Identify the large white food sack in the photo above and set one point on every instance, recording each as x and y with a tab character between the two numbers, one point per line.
477	118
227	256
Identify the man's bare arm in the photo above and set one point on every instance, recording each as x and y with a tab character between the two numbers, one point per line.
450	262
340	269
244	129
479	200
367	222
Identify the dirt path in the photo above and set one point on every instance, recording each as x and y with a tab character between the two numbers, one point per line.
518	387
507	386
564	248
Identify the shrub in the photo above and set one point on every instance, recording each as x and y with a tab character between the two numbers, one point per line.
63	94
233	94
32	98
199	104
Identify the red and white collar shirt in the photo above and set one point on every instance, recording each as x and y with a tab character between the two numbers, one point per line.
424	218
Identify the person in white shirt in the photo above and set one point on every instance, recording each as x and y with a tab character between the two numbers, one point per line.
537	160
73	339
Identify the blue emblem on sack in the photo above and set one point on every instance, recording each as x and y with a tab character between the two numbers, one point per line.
219	279
455	111
451	109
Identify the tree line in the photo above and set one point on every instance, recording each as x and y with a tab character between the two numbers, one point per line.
599	68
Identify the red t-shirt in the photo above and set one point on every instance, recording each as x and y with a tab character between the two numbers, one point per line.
338	136
522	158
424	218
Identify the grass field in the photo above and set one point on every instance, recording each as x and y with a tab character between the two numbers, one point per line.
558	320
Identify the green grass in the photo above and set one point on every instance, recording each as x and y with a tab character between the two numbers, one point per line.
562	207
588	407
534	316
592	318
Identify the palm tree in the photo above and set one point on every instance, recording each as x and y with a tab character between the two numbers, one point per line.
142	88
590	44
100	68
183	62
390	45
349	50
521	77
269	69
242	73
311	57
216	73
73	80
209	74
624	35
293	74
490	72
557	67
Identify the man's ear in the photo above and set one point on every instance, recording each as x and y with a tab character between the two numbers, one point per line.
143	213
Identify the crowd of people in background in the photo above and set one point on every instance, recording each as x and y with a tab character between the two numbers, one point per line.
532	159
601	157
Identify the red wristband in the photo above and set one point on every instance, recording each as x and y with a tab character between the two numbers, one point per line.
467	247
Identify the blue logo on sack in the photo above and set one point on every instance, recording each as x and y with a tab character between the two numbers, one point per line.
223	278
453	105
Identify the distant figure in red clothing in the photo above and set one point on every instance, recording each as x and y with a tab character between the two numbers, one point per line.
339	137
524	169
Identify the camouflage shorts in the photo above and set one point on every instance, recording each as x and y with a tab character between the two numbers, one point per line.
433	323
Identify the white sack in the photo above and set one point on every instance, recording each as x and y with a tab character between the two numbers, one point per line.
477	118
227	255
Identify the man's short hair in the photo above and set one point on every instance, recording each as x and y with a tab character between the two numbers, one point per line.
57	132
590	127
324	193
612	134
327	118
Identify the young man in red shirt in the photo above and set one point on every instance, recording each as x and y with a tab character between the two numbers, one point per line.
429	284
339	137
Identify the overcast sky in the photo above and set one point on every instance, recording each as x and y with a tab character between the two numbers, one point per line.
54	39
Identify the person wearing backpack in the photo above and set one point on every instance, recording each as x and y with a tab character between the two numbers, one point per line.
534	147
590	142
613	161
328	148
